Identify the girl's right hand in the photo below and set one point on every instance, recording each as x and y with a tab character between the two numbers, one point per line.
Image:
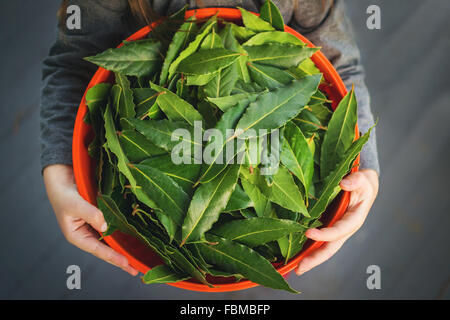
77	218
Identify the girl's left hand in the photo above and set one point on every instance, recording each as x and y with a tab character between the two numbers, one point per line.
363	186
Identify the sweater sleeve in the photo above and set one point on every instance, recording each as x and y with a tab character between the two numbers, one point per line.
326	24
65	74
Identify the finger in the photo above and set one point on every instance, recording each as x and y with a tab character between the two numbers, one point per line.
349	224
354	181
319	256
89	213
89	242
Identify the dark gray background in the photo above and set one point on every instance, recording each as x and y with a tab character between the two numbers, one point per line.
406	234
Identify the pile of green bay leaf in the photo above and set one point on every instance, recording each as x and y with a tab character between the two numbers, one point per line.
219	219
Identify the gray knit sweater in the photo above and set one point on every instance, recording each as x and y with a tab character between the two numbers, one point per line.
105	23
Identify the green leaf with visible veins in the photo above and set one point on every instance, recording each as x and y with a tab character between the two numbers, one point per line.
137	147
145	100
271	14
273	109
269	77
160	132
331	184
212	41
209	200
162	274
296	155
273	36
179	42
222	84
253	22
230	42
221	158
283	190
192	46
175	108
118	221
185	175
113	143
257	231
227	102
207	61
135	58
340	134
169	196
261	203
238	200
97	98
282	55
126	106
233	257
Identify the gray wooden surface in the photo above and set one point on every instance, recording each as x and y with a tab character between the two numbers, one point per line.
406	234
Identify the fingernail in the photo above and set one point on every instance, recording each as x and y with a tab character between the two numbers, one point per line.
104	227
346	183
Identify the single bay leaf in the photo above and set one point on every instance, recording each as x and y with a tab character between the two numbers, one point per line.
136	58
223	83
273	36
209	200
126	101
296	155
207	61
273	109
176	108
200	79
212	41
282	55
257	231
271	14
254	23
340	134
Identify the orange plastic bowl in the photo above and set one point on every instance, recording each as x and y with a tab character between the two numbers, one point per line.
141	257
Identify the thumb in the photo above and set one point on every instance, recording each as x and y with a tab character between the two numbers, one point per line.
91	214
353	181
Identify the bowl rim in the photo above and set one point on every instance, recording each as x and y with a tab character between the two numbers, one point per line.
88	191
